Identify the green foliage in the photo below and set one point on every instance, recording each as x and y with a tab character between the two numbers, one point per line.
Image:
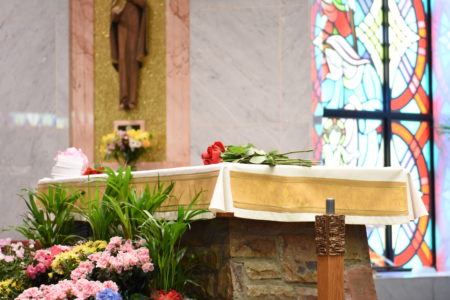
249	154
120	211
139	297
99	216
163	240
96	209
49	219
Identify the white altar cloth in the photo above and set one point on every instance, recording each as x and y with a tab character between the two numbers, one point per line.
371	196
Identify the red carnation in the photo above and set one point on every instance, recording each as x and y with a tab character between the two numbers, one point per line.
90	171
212	154
162	295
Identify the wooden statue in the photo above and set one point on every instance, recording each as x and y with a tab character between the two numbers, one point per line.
128	37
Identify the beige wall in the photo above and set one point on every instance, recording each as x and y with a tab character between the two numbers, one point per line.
250	74
34	111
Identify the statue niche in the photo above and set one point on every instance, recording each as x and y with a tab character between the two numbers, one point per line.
128	37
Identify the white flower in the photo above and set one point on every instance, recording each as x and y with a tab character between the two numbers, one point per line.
134	144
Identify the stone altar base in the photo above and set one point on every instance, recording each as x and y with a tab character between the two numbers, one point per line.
251	259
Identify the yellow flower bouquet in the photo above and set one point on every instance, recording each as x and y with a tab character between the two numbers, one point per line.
126	147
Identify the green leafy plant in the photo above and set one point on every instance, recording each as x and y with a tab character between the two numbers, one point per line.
99	216
50	218
163	240
249	154
96	209
120	210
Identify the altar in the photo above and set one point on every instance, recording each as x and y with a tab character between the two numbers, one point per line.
257	241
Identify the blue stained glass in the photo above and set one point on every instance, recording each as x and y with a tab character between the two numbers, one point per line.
413	263
425	80
411	107
402	239
349	74
412	126
376	236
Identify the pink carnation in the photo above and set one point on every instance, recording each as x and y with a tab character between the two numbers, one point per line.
147	267
80	289
84	268
119	256
5	242
8	258
44	259
33	271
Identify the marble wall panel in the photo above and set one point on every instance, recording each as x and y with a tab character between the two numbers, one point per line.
440	14
33	92
250	74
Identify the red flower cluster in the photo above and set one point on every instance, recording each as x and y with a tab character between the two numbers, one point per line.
212	154
163	295
90	171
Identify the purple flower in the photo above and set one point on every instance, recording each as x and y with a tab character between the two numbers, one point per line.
108	294
122	134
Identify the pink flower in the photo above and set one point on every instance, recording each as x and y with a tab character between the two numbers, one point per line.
33	271
81	289
20	252
5	242
116	240
46	256
57	249
147	267
31	293
119	256
122	134
84	268
9	258
73	153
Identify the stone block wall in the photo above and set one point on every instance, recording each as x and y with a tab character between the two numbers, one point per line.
250	259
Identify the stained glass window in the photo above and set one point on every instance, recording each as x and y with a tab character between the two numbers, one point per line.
411	149
371	104
352	142
408	66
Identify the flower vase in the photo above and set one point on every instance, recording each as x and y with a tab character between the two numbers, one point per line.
124	164
132	165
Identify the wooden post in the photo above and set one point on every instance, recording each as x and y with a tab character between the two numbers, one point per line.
330	248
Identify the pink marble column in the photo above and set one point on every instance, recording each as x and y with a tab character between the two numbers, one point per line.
178	83
82	76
